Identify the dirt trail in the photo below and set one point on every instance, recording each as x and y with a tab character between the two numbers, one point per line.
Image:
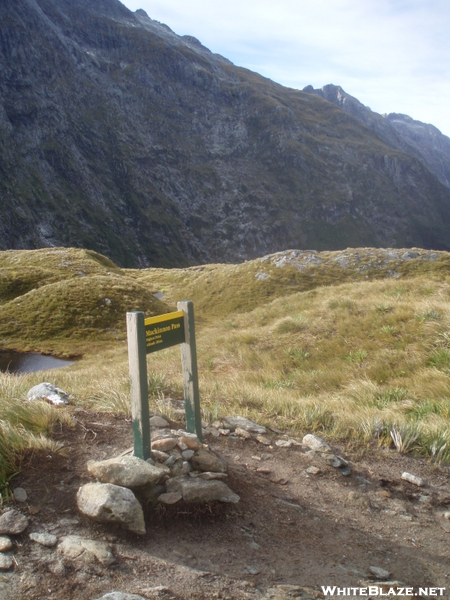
288	528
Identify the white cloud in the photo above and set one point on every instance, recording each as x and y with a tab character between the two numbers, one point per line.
393	55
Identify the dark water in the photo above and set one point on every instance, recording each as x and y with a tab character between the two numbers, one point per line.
29	362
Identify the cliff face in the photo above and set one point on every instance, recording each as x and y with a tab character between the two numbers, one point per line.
119	136
401	132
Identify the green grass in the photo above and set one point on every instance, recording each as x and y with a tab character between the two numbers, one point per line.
329	344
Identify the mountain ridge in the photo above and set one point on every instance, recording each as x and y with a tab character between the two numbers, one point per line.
120	136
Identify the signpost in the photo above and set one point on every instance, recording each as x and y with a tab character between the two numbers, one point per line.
150	335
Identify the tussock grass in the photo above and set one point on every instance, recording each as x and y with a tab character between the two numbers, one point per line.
350	351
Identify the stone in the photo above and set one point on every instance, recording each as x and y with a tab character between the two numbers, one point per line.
209	476
126	471
160	456
191	441
170	498
182	446
6	562
264	440
413	479
106	502
76	547
57	568
264	470
313	470
447	516
246	424
170	461
204	460
20	495
124	596
283	443
252	570
379	573
12	522
5	543
44	539
358	499
48	393
181	468
199	490
289	592
164	444
242	433
187	454
224	431
158	422
315	443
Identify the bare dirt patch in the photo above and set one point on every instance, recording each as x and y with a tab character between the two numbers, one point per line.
290	527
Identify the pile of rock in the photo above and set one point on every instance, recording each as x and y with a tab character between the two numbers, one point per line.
181	469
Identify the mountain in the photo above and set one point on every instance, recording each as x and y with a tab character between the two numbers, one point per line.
119	136
401	132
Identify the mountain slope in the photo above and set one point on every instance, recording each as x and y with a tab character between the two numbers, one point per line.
401	132
119	136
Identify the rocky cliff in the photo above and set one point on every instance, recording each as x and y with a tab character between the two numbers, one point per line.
120	136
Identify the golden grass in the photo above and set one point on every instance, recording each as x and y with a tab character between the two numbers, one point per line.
367	359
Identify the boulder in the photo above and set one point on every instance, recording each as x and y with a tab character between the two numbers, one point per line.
315	443
106	502
127	471
164	444
48	393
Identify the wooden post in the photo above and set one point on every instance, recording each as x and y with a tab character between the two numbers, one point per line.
137	358
189	368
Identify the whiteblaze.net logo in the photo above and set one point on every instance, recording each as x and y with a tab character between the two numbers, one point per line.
374	591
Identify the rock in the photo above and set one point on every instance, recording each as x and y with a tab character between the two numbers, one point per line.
160	456
170	498
5	562
283	443
181	445
413	479
313	470
170	461
264	470
20	495
106	502
45	539
124	596
447	516
126	471
358	499
158	422
57	568
252	570
76	547
315	443
379	573
212	431
199	490
242	433
5	543
164	444
204	460
13	522
288	592
246	424
181	468
191	441
262	439
206	475
224	431
48	393
187	454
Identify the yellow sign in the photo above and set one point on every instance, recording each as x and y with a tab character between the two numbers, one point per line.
164	331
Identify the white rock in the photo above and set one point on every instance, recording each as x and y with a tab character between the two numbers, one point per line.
48	393
246	424
5	562
12	522
283	443
5	543
315	443
158	422
242	433
413	479
76	547
106	502
379	573
313	470
126	471
45	539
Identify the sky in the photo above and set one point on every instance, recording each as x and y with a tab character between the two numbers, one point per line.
392	55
